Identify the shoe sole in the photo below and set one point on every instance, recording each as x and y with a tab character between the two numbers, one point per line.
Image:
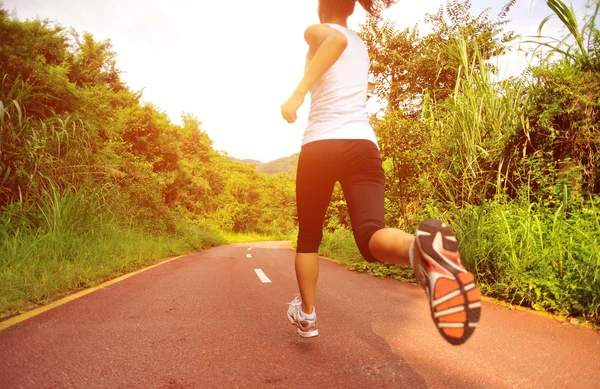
304	334
454	298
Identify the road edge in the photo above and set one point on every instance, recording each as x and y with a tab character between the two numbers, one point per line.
44	308
511	307
37	311
13	320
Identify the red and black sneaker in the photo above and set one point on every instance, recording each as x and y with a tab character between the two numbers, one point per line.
453	296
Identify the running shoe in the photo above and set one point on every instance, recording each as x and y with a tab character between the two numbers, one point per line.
306	328
453	296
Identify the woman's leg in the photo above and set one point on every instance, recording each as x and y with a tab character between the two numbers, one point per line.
391	245
307	274
363	183
451	291
315	180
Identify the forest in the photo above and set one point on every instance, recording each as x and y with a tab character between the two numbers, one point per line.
95	183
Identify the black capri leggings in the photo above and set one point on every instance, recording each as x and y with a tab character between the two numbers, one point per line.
356	164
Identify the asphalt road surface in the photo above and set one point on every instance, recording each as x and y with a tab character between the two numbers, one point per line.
217	319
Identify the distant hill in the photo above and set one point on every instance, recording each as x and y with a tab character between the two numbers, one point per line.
282	165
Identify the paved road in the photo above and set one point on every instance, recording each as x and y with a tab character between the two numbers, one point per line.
208	321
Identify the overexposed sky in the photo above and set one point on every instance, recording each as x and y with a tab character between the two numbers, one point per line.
233	63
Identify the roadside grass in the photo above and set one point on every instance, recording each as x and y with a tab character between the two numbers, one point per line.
37	268
247	237
67	241
541	256
340	246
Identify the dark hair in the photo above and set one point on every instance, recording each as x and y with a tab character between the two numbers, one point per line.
374	7
345	8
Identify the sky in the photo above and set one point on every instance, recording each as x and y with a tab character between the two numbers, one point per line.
233	63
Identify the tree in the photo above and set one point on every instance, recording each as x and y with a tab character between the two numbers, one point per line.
391	53
93	63
404	65
37	53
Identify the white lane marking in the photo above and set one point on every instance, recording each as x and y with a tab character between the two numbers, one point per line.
263	277
258	245
249	248
248	255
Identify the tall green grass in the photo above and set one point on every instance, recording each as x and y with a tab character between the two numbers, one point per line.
540	255
245	237
544	255
539	247
340	246
579	45
68	239
525	229
472	128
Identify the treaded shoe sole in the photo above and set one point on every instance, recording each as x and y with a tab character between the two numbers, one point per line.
454	298
304	334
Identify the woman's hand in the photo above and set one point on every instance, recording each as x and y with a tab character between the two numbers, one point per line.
290	108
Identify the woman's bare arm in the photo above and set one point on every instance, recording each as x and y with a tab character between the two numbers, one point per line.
326	46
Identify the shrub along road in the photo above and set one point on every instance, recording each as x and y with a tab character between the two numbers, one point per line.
217	319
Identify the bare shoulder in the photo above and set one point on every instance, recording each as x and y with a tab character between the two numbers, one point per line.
316	34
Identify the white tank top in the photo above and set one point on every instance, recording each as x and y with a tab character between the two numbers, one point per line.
338	100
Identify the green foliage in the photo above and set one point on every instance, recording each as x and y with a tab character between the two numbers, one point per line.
407	163
475	127
337	216
390	52
403	65
581	46
94	183
96	132
340	245
241	237
543	254
564	111
511	164
33	151
94	63
564	120
70	242
284	165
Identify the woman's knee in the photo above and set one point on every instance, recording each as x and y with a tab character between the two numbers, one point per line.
363	241
309	242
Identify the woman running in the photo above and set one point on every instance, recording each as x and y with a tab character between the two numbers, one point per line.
340	145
